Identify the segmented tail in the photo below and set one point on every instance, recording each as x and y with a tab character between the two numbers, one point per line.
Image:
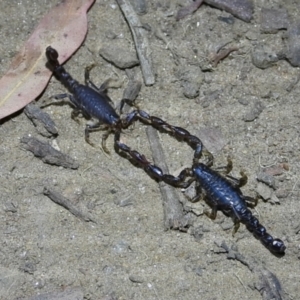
62	75
260	232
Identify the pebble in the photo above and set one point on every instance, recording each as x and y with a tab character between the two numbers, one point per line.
254	112
120	57
293	44
136	278
267	179
191	78
263	57
272	20
264	191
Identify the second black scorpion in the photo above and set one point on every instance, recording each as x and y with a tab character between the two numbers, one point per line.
220	192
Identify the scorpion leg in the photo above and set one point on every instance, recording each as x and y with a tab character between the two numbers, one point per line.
213	213
91	127
237	182
102	88
72	101
228	167
198	193
56	97
236	227
243	180
104	138
60	96
74	115
87	80
251	202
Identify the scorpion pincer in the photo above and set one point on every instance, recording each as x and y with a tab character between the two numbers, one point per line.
225	195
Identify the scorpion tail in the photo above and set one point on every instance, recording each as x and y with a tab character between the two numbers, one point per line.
274	245
59	71
52	57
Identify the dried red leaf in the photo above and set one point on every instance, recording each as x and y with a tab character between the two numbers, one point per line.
64	28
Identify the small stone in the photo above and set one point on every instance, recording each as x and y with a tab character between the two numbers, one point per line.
191	78
136	278
263	57
274	199
254	112
120	57
273	20
212	138
267	179
282	193
264	191
199	271
293	44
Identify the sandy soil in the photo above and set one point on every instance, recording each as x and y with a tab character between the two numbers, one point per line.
127	254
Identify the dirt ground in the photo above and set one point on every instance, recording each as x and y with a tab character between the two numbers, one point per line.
126	253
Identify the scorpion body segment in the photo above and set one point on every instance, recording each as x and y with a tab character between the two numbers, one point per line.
92	103
224	195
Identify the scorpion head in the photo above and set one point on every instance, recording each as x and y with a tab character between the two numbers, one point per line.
52	56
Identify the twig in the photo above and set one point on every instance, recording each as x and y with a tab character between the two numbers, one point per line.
47	153
173	211
269	285
59	199
140	40
221	54
40	119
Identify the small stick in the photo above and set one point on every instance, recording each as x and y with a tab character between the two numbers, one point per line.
140	40
173	211
221	54
59	199
40	118
47	153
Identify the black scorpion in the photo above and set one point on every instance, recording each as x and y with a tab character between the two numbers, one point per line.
225	195
220	193
95	104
